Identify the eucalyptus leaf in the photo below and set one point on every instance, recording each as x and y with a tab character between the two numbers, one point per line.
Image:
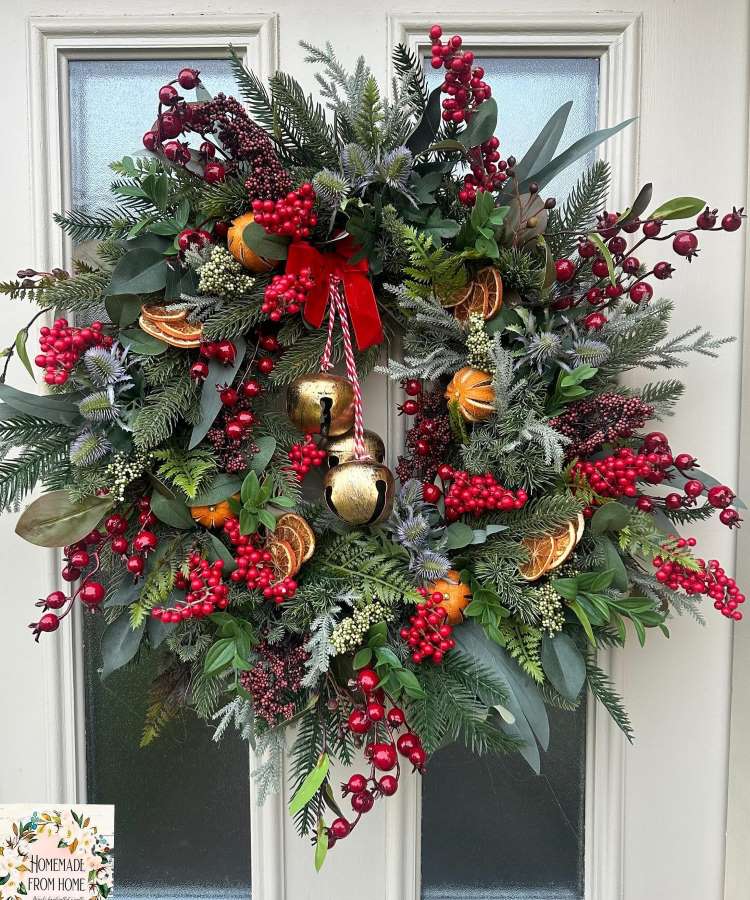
546	143
563	664
266	445
218	374
611	516
424	134
217	549
267	246
310	786
22	352
141	343
171	511
458	535
482	125
119	644
123	309
54	520
140	271
321	845
221	488
51	407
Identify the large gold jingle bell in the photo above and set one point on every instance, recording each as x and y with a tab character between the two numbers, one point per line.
321	404
359	492
341	449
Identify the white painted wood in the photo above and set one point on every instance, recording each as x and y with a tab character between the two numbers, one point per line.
656	812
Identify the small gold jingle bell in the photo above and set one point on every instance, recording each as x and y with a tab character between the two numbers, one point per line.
359	492
341	449
321	404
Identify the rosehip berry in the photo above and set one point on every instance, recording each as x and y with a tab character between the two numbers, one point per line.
652	228
362	802
685	243
79	559
119	545
564	269
356	784
55	600
644	504
408	742
145	541
418	758
732	221
358	722
135	565
199	370
388	785
641	291
368	680
340	828
684	461
707	219
663	270
188	79
720	496
375	711
631	264
729	517
92	593
150	140
595	320
396	717
70	573
431	493
413	387
599	268
48	622
384	757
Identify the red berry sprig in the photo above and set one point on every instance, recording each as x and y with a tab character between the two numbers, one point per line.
478	494
292	216
62	346
205	591
255	565
708	579
429	634
286	294
303	456
224	351
462	82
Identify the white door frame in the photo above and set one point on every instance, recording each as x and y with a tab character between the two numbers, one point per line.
615	39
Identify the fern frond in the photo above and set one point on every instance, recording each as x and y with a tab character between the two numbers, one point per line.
188	470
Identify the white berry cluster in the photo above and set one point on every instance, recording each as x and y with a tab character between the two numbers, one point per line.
349	633
479	344
223	276
550	609
124	469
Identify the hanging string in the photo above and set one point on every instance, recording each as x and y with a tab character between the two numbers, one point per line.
337	304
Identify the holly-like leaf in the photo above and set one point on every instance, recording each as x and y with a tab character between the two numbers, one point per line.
54	520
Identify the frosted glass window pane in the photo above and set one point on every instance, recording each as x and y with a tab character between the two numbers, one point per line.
182	803
493	830
112	103
528	91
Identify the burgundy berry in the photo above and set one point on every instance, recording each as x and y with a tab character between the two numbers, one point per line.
221	230
92	594
199	370
356	784
135	565
150	140
617	245
586	249
115	524
168	95
55	600
229	396
207	150
720	496
396	717
375	711
694	488
362	802
188	79
418	758
707	219
685	243
48	622
663	270
225	352
409	407
631	264
70	573
214	172
407	742
388	785
170	125
120	545
251	388
685	461
564	269
144	541
655	440
652	228
641	291
233	430
265	365
368	680
644	504
340	828
187	237
599	268
732	221
413	387
79	558
730	518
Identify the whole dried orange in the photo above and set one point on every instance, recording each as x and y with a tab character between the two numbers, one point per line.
472	390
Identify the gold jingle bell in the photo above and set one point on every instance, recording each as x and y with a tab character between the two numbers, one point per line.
341	449
321	404
360	492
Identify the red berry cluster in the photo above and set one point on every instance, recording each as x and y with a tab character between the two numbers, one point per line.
488	171
292	216
255	565
383	755
286	294
429	437
205	591
617	474
463	81
629	277
709	579
303	456
76	558
62	346
145	541
429	634
477	494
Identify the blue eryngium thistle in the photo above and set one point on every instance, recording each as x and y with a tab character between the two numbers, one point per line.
88	448
413	531
100	406
588	352
105	367
429	565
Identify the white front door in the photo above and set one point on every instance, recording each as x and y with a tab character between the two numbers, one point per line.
606	820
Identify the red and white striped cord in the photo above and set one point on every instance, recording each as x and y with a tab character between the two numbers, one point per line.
337	304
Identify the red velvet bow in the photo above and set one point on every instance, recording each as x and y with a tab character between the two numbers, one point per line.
360	297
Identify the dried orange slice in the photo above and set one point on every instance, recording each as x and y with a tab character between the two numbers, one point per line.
475	301
565	542
183	331
303	530
156	313
151	328
288	534
580	525
458	297
489	278
541	550
283	559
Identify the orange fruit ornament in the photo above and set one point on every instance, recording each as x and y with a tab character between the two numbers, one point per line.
303	531
283	559
457	595
485	297
472	390
239	249
541	551
213	516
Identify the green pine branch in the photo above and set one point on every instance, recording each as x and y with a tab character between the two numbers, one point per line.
578	213
95	226
602	688
162	409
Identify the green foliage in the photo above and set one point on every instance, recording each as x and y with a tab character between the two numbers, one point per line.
432	270
578	213
523	643
520	270
81	226
302	124
159	578
157	418
188	470
167	695
413	87
39	459
602	688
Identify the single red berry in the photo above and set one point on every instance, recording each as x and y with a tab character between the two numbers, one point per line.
730	517
340	828
356	784
663	270
685	461
92	593
145	541
229	396
631	264
595	320
564	269
119	544
265	365
79	559
720	496
384	757
135	565
673	501
362	802
170	125
55	600
641	291
188	79
225	352
732	221
115	524
431	493
388	785
409	407
652	228
396	717
418	758
70	573
199	370
233	430
48	622
150	140
358	721
693	487
168	95
251	388
368	680
599	268
707	219
214	172
644	504
413	387
685	243
408	742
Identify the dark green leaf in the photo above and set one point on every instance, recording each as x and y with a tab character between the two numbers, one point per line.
140	271
171	511
640	204
575	606
563	664
424	134
408	681
458	535
267	519
266	448
119	644
52	408
22	353
221	488
614	563
544	146
267	246
362	658
218	550
157	630
54	520
482	125
141	343
210	399
612	516
123	309
220	654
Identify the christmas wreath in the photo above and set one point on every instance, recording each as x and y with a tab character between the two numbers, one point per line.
265	254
